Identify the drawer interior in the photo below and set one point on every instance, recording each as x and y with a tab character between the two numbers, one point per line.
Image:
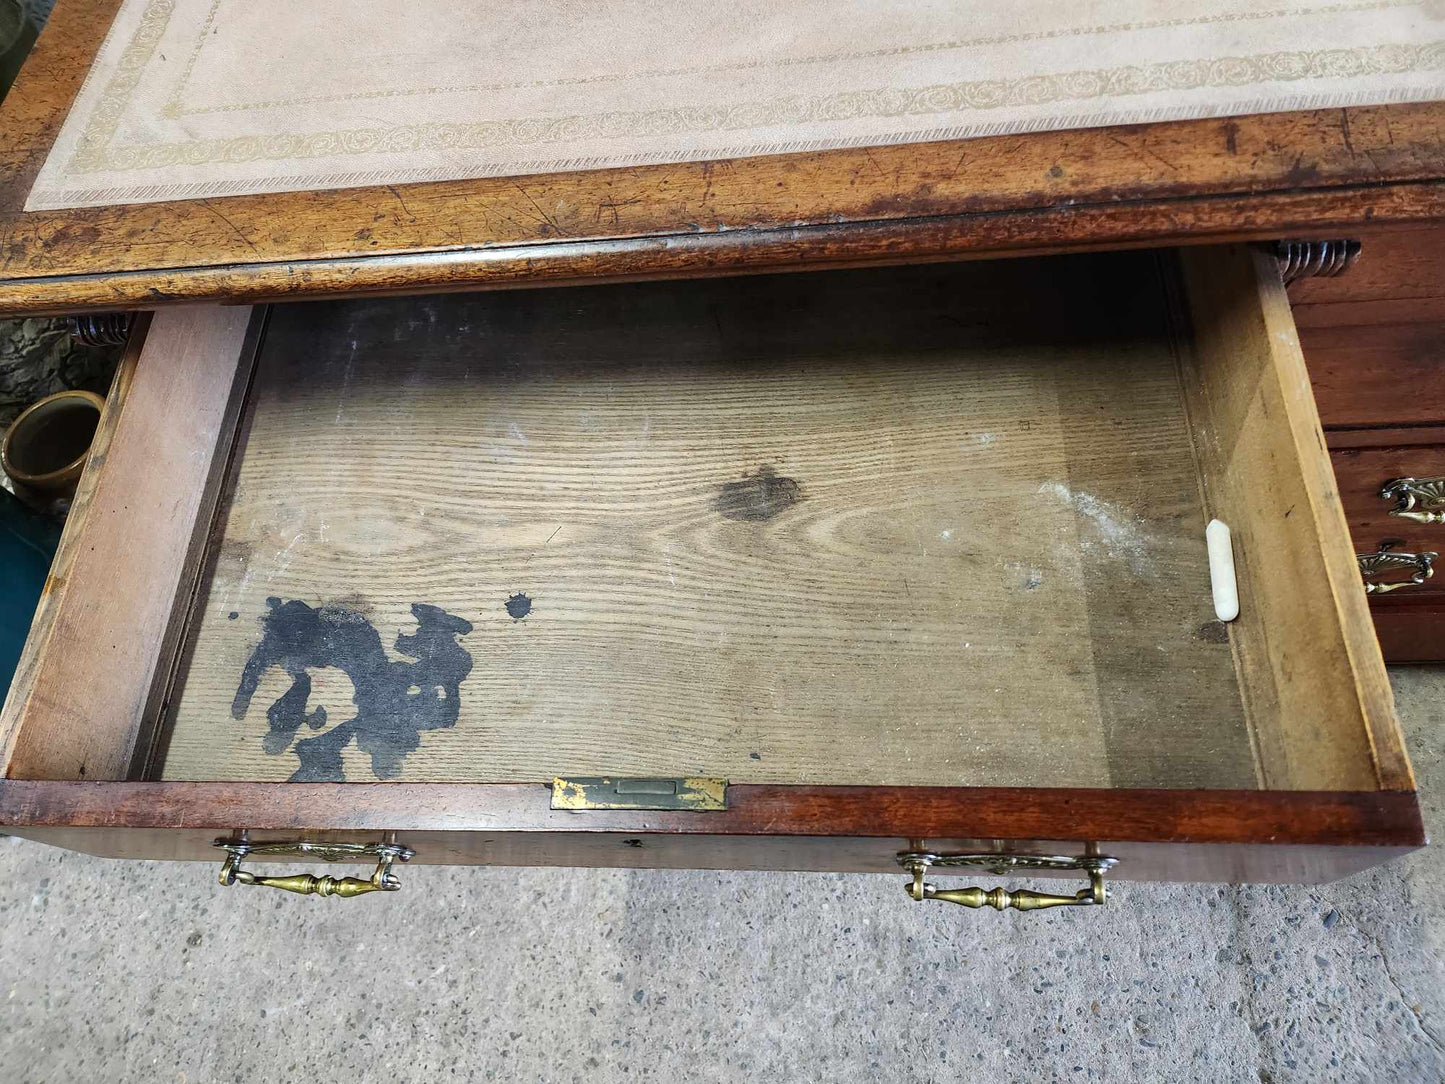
935	525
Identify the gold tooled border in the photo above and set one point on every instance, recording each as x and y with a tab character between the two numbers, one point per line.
792	111
175	107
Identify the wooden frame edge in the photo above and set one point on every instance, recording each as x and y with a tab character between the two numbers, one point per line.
56	582
97	657
1377	700
1039	231
1310	818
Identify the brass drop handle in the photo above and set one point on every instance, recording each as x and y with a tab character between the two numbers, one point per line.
1419	499
918	863
1388	561
307	884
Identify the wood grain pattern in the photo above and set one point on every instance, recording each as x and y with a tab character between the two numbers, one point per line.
1320	172
1053	229
97	653
1158	835
989	566
1303	635
1384	374
1403	436
1398	267
1411	631
1374	339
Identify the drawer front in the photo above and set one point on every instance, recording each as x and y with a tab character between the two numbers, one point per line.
1361	474
910	565
1380	374
1272	837
1374	338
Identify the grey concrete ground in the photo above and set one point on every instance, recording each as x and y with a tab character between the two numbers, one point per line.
115	971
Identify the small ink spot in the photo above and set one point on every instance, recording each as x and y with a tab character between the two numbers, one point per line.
232	615
755	756
1056	171
633	842
758	497
1035	579
1213	632
519	606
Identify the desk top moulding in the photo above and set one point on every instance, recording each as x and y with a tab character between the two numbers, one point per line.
1181	129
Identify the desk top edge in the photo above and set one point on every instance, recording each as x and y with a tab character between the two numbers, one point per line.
1163	183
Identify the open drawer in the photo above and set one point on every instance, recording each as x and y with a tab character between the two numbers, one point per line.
912	558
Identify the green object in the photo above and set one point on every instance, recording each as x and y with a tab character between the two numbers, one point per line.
27	544
17	35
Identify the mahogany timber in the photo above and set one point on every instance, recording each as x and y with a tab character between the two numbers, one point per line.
1315	172
1299	837
1374	341
1361	472
1411	630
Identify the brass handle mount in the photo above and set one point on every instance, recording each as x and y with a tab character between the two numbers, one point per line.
919	862
306	884
1389	561
1419	499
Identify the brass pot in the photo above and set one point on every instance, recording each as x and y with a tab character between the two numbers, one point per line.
45	450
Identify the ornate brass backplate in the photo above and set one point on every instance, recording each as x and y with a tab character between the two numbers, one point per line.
1388	561
306	884
919	862
1418	499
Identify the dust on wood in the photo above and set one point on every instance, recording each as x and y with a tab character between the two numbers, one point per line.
792	530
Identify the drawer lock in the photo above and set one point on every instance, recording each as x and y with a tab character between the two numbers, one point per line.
693	794
1418	499
306	884
919	862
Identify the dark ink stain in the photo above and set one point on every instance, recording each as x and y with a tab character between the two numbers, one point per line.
1213	632
1301	173
1056	171
395	701
1231	132
755	756
519	606
633	842
232	615
758	497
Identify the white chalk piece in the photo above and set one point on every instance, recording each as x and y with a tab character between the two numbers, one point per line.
1221	571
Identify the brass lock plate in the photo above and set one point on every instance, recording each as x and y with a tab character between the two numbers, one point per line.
691	793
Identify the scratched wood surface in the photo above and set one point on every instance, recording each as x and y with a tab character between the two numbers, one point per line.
1305	173
936	526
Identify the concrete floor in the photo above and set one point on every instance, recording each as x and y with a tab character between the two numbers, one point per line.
116	971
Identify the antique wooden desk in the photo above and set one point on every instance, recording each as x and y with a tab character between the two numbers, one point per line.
905	546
